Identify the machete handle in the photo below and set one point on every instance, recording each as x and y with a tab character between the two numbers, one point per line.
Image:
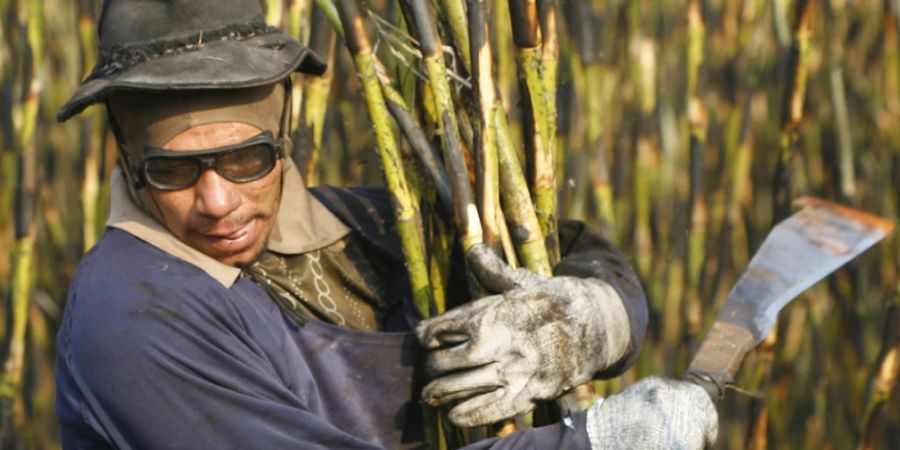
719	358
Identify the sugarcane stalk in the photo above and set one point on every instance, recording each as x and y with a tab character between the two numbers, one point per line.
602	186
441	249
540	139
642	60
547	10
839	100
572	156
842	123
506	241
738	187
792	106
781	21
891	56
882	382
274	12
298	14
316	93
642	71
486	131
520	212
296	20
466	129
486	140
697	124
643	204
517	206
398	108
757	432
597	107
454	12
41	393
468	221
549	58
92	141
330	10
13	367
22	281
405	203
504	57
91	133
427	154
594	83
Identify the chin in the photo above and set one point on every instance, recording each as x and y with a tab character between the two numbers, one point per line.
244	258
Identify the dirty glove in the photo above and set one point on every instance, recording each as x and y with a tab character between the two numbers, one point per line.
542	336
654	413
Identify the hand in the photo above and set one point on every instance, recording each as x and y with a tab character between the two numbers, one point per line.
654	413
542	336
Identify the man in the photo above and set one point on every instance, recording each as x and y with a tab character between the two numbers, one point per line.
226	306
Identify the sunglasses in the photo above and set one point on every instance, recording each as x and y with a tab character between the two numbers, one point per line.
239	163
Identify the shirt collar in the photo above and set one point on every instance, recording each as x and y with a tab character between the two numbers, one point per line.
303	224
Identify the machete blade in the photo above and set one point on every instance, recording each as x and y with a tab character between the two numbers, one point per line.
797	253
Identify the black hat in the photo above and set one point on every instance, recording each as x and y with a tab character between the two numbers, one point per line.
187	44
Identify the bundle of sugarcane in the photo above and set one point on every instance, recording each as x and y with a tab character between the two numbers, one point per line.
479	178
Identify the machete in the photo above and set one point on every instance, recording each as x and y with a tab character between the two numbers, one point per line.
797	253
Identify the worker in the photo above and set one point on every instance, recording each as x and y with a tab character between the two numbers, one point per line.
228	306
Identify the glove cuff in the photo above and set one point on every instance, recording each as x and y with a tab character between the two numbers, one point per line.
614	327
653	414
594	431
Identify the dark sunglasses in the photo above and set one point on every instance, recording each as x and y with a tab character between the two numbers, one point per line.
239	163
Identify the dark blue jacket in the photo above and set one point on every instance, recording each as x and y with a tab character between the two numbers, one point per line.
154	353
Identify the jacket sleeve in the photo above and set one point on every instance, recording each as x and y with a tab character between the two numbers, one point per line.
570	433
149	367
587	253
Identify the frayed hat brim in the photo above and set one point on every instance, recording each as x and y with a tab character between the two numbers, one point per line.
224	64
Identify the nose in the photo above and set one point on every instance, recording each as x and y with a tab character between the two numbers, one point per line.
215	197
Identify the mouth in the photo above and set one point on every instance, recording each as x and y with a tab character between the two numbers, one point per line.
232	240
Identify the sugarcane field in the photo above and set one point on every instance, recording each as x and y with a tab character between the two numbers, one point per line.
493	224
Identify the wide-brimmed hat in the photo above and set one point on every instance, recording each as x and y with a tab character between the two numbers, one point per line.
187	44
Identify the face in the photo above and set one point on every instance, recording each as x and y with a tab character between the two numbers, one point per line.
230	222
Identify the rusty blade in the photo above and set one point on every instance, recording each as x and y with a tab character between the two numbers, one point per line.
797	253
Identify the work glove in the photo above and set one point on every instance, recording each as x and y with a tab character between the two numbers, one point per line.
654	413
540	337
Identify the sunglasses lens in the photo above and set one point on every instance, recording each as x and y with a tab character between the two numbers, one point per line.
171	173
240	163
247	163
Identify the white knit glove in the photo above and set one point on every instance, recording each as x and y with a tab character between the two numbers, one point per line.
654	413
541	337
